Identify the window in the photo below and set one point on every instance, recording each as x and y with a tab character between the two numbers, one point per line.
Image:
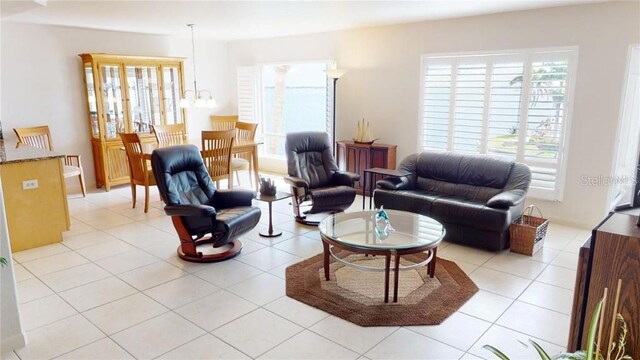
289	98
513	105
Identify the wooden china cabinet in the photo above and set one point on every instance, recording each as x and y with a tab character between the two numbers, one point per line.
128	94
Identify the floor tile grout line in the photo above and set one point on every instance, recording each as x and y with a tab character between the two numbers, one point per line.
93	342
442	342
201	336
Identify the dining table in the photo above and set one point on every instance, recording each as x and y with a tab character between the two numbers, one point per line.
239	147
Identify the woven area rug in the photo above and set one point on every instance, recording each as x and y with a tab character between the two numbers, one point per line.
358	296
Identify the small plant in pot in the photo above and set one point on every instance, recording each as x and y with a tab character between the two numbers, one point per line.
267	186
597	348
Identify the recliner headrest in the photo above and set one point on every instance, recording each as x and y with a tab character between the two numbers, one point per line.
181	175
307	141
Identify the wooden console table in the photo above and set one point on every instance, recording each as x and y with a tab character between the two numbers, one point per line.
357	157
612	253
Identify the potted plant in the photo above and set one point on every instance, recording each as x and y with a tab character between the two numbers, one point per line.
614	351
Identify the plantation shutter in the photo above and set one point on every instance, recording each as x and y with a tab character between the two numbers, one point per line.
507	105
329	108
545	121
469	107
504	109
436	105
246	82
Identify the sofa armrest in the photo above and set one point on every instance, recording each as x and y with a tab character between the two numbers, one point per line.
394	183
296	182
190	210
224	199
345	178
507	199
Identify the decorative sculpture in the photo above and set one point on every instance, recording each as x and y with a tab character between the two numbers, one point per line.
363	134
383	226
267	186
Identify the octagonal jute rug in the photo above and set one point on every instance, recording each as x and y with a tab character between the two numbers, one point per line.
358	296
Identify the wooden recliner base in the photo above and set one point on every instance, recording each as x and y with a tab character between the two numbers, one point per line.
188	249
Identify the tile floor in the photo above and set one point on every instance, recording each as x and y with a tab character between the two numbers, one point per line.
115	289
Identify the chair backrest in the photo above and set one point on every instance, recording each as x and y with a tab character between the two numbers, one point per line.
245	131
37	136
223	122
133	147
181	175
169	135
216	152
309	157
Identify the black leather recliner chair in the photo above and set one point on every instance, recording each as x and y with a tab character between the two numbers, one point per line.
313	174
200	213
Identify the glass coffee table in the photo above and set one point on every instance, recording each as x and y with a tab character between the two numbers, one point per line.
356	232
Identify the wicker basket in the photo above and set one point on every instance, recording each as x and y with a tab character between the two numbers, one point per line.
527	233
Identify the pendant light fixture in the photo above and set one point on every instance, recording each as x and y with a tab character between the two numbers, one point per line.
195	97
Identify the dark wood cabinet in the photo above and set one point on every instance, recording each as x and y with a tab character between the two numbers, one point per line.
612	253
357	157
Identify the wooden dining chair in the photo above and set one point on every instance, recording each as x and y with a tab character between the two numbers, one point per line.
223	122
40	137
169	135
140	173
216	153
245	131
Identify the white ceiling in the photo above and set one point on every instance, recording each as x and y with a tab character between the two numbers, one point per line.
236	20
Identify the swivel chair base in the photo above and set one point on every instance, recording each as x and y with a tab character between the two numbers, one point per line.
187	253
314	219
188	249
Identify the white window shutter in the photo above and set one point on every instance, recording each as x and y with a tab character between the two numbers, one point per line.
436	105
469	107
504	109
513	105
246	77
329	109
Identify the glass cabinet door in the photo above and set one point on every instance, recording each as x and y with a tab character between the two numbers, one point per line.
172	94
144	97
91	97
112	100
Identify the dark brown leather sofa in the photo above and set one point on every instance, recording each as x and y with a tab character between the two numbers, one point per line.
475	197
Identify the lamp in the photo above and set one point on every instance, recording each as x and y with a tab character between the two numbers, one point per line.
334	74
199	99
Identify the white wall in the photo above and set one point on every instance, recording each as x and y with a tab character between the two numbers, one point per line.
382	82
42	78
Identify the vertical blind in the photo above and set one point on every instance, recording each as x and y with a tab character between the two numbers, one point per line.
512	105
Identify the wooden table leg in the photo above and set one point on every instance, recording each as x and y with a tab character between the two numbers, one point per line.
387	266
432	263
254	155
364	188
372	177
270	232
396	274
326	260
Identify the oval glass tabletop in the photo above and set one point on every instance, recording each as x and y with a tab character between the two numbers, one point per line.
358	230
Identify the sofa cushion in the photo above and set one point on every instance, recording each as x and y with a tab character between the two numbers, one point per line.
415	201
476	170
470	192
465	212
